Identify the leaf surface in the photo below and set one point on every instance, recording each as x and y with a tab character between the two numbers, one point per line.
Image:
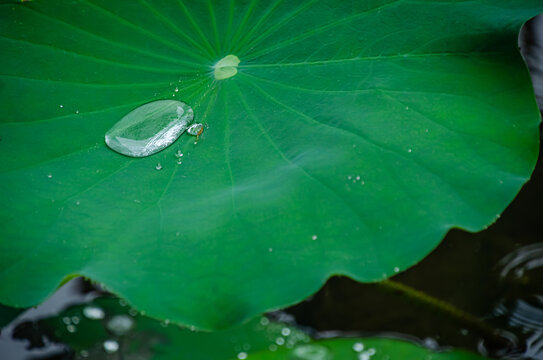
349	139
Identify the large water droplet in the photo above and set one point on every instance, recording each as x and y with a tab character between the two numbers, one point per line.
149	128
311	352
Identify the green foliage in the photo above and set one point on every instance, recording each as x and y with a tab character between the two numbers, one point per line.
349	139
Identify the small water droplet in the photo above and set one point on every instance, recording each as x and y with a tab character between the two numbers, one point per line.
111	346
165	323
264	321
61	106
78	203
120	324
279	341
349	177
122	302
242	355
149	128
178	154
84	353
396	269
133	312
75	320
310	352
426	130
409	150
77	111
179	161
50	176
176	89
358	178
66	320
285	331
71	328
93	312
195	129
407	108
273	347
158	166
358	347
270	249
314	237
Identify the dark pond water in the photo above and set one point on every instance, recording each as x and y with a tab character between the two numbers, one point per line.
495	275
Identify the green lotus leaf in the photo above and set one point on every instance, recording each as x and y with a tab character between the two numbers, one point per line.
341	138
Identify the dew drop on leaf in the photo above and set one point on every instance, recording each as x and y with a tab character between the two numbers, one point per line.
310	352
111	346
120	324
93	312
149	128
195	129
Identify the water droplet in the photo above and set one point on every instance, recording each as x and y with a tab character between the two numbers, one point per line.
84	353
272	347
407	108
111	346
50	176
358	178
314	237
179	161
165	323
279	341
61	106
158	166
78	203
409	150
133	312
226	67
149	128
285	331
176	89
71	328
242	355
66	320
195	129
270	249
264	321
93	312
349	177
178	154
77	111
358	347
310	352
75	320
120	324
396	269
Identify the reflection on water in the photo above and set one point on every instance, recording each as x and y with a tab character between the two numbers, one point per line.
522	305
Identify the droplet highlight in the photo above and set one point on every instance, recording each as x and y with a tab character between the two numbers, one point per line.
149	128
